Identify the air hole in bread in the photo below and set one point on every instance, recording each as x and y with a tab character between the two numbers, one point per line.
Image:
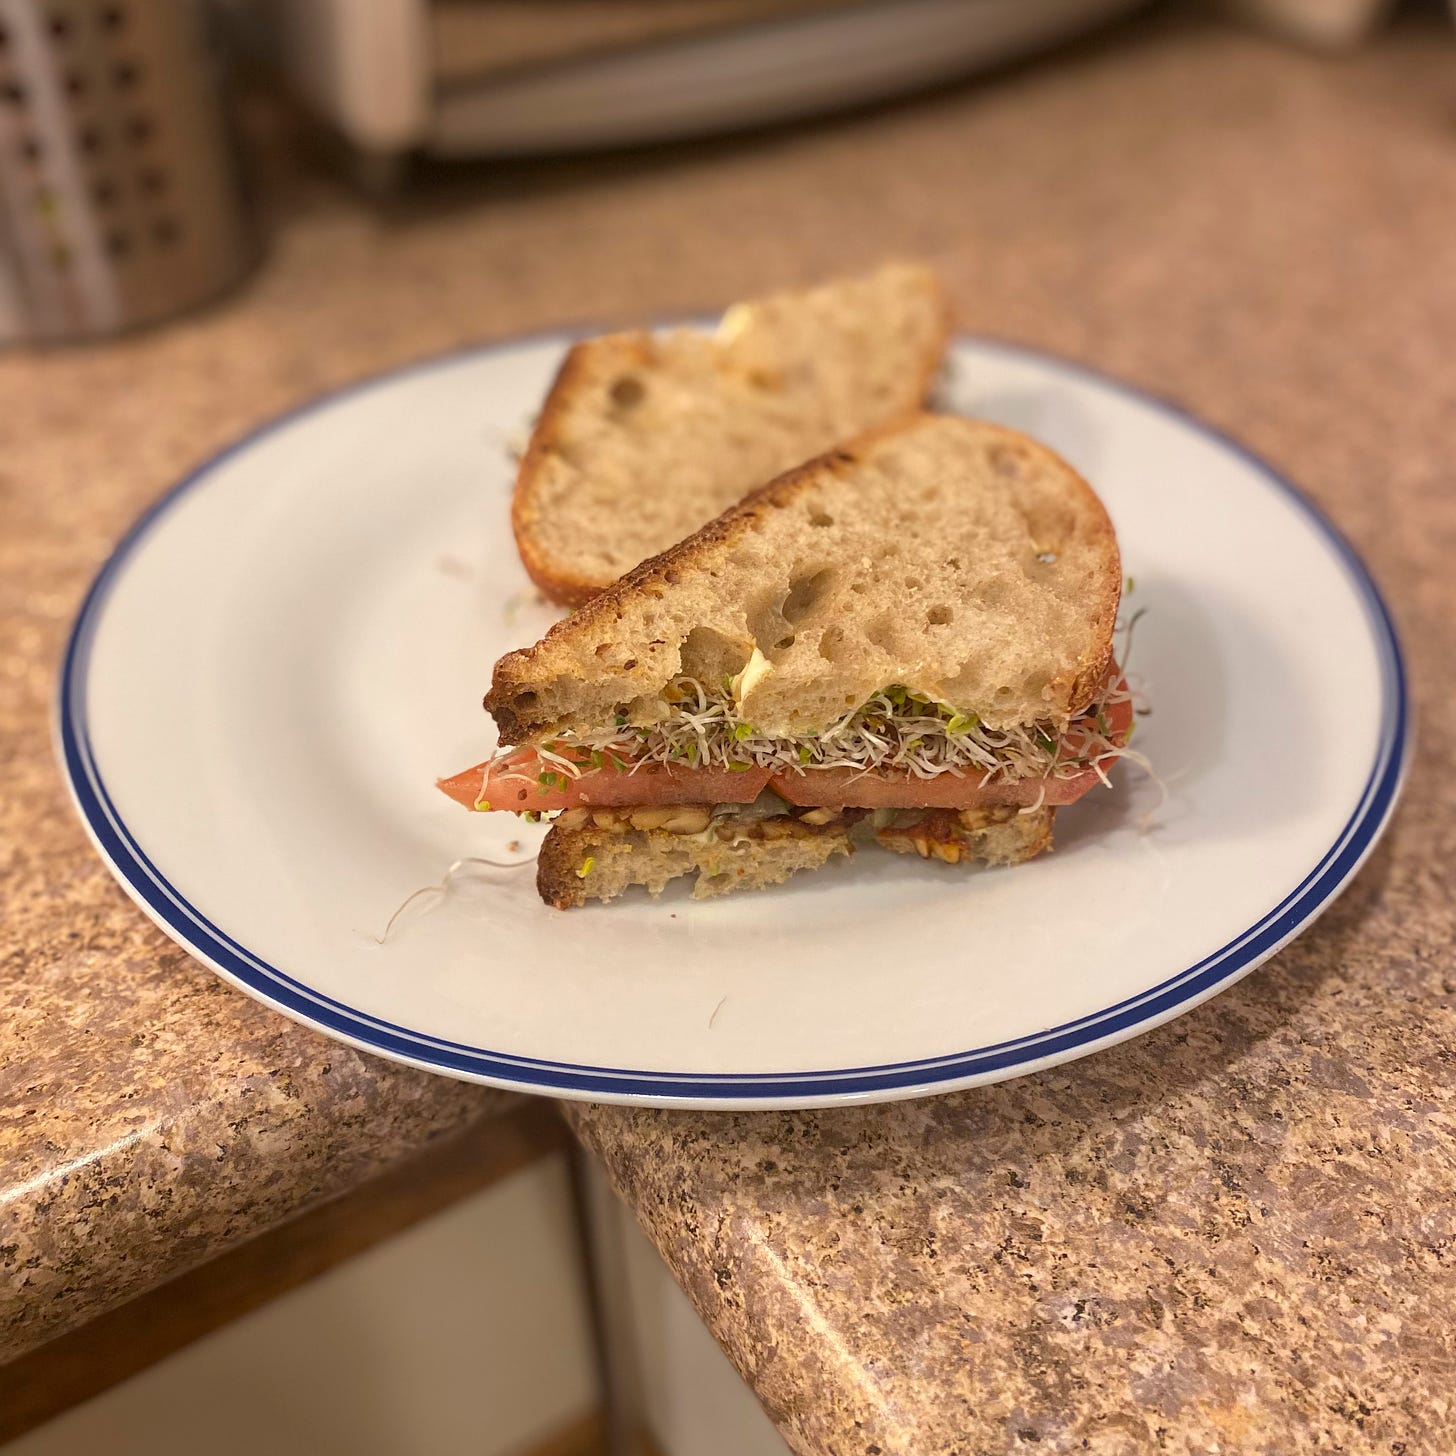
830	643
1006	461
709	656
1048	522
784	643
766	621
857	587
604	649
804	592
1004	694
527	702
953	563
881	632
630	663
820	518
938	616
627	391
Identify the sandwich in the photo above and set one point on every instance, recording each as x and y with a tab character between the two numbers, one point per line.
907	640
643	438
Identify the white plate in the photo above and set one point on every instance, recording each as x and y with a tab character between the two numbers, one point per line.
285	652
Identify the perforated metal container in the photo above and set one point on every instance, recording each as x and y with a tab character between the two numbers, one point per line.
119	189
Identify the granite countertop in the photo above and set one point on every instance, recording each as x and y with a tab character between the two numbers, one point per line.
1235	1234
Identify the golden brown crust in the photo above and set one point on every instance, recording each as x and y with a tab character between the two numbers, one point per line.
935	359
571	380
1103	612
560	859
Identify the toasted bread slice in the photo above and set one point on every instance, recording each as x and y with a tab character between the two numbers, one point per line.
958	559
577	865
643	438
599	861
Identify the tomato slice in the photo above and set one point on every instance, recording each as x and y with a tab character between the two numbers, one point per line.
513	783
849	787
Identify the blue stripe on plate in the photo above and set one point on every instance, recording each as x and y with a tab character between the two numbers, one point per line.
185	923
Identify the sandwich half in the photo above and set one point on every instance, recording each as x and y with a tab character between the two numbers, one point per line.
643	438
915	629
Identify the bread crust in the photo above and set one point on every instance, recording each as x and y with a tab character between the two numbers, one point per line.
570	382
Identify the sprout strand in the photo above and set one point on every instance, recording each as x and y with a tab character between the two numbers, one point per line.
895	729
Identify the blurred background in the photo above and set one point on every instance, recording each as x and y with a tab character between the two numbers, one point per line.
210	213
152	154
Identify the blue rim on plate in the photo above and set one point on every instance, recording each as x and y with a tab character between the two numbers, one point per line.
286	993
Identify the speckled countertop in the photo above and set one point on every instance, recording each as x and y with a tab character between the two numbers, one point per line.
1236	1235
